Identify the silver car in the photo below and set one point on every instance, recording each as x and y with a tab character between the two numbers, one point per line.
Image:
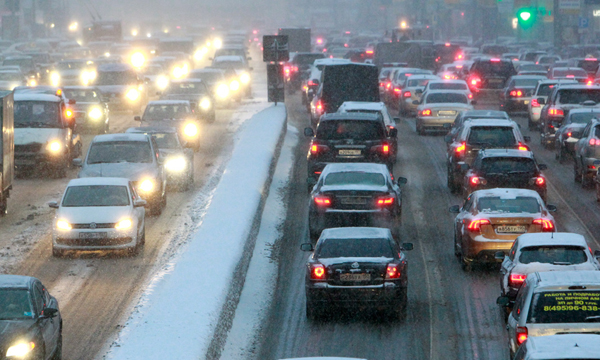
440	107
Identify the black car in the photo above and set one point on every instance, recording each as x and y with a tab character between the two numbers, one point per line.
91	113
517	93
571	130
196	92
349	137
355	194
490	74
356	267
30	319
474	114
504	168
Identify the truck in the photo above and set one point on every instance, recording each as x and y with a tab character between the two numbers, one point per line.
103	30
7	148
298	39
415	53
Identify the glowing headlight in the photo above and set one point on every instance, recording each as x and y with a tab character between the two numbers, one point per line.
162	82
32	82
176	164
55	78
63	225
133	94
218	43
234	86
54	146
20	350
138	59
205	104
178	72
14	85
124	224
92	75
147	185
222	91
245	78
95	113
198	55
190	130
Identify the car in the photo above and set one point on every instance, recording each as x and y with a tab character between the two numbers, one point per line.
571	130
178	160
132	156
554	302
353	193
30	318
547	60
120	87
489	74
299	67
490	220
531	55
590	64
155	76
413	89
440	107
240	65
392	93
98	213
474	136
569	73
518	92
73	72
197	93
532	69
314	78
348	137
90	111
474	115
507	168
456	85
563	346
586	153
542	90
323	358
215	79
356	267
543	252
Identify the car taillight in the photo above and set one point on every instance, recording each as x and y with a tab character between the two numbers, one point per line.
392	272
569	134
516	280
316	148
311	83
286	70
475	225
470	96
522	147
535	103
369	52
317	272
475	81
590	82
521	335
556	112
516	93
397	90
385	148
319	105
68	113
406	94
322	201
476	180
539	181
547	225
426	112
385	201
594	142
388	85
461	148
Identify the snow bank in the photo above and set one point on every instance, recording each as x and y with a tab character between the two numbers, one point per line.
189	311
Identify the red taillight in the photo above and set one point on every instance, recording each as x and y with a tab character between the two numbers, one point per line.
569	134
591	59
475	180
475	225
516	280
535	103
311	83
590	81
495	60
68	113
556	112
369	52
397	90
426	112
594	142
406	94
392	272
539	181
521	335
388	85
570	76
385	201
286	70
522	147
475	81
547	225
319	105
516	93
385	148
322	201
461	148
317	272
470	96
459	56
316	148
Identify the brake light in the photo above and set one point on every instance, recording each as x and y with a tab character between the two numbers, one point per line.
521	335
383	201
311	83
556	112
388	85
591	59
316	148
539	181
470	96
392	272
406	94
516	93
522	147
594	142
459	56
535	103
590	82
475	180
495	60
570	76
461	148
322	201
369	52
385	149
319	105
426	112
397	90
317	272
547	225
475	225
286	70
569	134
516	280
475	81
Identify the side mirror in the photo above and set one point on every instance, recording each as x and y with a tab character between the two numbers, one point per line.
77	162
307	247
53	204
416	102
401	180
454	209
393	132
527	138
463	166
499	255
49	313
137	118
542	166
448	138
308	132
407	246
72	101
473	102
541	101
139	203
551	208
503	301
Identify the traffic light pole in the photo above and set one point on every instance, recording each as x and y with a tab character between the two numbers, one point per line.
557	25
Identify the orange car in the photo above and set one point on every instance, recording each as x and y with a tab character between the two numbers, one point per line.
490	221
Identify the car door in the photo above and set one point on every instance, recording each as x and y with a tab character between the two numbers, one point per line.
46	325
580	146
462	217
138	211
515	316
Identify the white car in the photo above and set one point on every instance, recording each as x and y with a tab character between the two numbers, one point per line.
542	91
440	107
98	213
413	90
558	347
455	85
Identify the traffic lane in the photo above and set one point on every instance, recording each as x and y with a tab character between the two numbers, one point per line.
451	314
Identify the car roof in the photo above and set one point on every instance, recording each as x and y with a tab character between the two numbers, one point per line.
567	68
27	96
356	233
115	67
15	281
355	167
528	77
422	76
168	102
506	153
447	81
362	105
554	238
558	81
491	122
445	91
152	130
351	116
579	87
120	137
486	113
568	278
229	58
506	193
331	61
98	181
186	80
564	346
590	109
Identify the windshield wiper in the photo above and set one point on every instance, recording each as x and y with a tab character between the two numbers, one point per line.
595	318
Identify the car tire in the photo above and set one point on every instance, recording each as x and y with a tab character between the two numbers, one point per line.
465	265
58	351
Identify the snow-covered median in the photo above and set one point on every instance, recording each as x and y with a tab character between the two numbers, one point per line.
192	304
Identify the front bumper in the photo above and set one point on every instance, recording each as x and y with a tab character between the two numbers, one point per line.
79	239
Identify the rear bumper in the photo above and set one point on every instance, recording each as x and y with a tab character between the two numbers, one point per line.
480	250
387	294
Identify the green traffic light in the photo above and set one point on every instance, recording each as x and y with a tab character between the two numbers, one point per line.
525	15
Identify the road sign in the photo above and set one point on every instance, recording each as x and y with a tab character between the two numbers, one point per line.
584	22
275	84
569	5
275	48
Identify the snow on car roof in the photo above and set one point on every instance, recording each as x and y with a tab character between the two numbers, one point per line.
568	278
330	61
15	281
151	130
168	102
228	58
449	81
564	346
361	105
558	238
350	116
585	110
354	167
120	137
490	122
486	113
356	233
506	193
506	153
36	97
99	181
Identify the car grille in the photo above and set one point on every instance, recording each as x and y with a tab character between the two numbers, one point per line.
94	226
94	242
28	148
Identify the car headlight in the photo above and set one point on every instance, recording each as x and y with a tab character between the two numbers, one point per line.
218	43
54	146
162	82
176	164
92	75
55	79
198	55
222	91
205	104
20	350
138	59
190	130
133	94
234	86
63	225
95	113
146	185
245	78
178	72
32	82
124	224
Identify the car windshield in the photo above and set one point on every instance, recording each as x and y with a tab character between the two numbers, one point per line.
492	136
209	77
577	96
10	76
119	152
555	254
508	165
355	178
166	140
71	65
82	96
497	204
570	73
37	114
15	304
583	118
185	88
564	306
494	68
355	248
116	78
446	98
525	82
350	129
418	82
447	86
96	195
166	112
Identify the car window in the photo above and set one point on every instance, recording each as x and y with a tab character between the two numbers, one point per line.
525	82
492	136
597	131
446	98
564	306
166	140
96	195
36	113
520	301
494	68
38	298
468	204
496	204
15	304
447	86
494	165
513	250
355	178
577	96
120	152
556	254
81	95
166	112
350	129
335	248
545	89
583	118
419	82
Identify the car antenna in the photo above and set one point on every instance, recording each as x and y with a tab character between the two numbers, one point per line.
552	236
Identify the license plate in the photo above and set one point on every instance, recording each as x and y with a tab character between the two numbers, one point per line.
495	81
349	152
511	229
526	102
442	112
355	277
353	201
92	235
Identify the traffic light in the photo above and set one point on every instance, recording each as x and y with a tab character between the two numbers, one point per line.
526	17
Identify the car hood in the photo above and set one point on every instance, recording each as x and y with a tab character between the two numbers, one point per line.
131	171
11	330
24	136
96	214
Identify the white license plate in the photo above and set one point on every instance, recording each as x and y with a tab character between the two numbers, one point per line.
349	152
355	277
92	235
353	201
511	229
446	113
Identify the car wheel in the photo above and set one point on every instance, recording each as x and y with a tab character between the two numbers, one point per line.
467	266
58	351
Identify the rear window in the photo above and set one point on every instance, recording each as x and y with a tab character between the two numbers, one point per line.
526	82
335	248
419	82
583	118
545	89
557	255
508	165
564	307
355	178
570	73
494	68
520	204
492	136
447	98
448	86
577	96
350	129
